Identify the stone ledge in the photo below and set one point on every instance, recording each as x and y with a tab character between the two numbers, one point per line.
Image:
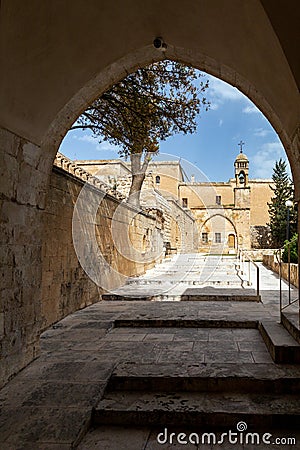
282	346
203	377
197	409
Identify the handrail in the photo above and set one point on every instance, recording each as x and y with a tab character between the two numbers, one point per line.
244	257
278	255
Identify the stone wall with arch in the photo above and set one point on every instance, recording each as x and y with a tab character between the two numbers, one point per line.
211	222
54	63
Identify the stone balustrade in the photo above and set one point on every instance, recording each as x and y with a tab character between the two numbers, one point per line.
71	167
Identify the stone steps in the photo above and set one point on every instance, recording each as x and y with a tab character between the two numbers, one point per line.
200	409
202	395
203	377
165	281
283	348
290	320
183	297
181	322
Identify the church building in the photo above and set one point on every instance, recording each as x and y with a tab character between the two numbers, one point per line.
228	215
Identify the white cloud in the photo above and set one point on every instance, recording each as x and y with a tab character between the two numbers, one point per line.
106	146
86	138
261	132
250	109
264	160
223	91
220	122
100	146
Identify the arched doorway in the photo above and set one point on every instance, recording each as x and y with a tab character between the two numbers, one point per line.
218	235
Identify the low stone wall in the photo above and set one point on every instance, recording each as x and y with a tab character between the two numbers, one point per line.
126	249
258	254
271	262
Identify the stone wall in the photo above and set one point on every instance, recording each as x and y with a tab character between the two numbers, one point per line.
183	228
270	261
22	195
125	250
179	228
260	236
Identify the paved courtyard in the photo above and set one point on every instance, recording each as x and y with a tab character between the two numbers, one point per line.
49	404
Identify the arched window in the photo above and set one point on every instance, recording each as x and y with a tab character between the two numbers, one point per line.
157	179
242	177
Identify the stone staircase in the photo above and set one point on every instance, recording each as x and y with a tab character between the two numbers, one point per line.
203	395
206	395
290	320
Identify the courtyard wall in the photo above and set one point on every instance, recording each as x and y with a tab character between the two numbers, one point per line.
271	262
66	287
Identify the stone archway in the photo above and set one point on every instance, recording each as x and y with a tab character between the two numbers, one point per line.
220	234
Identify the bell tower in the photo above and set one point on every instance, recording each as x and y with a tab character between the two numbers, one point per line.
242	198
241	168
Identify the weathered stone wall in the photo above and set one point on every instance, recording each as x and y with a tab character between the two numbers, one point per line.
271	262
179	224
260	236
22	195
183	228
258	254
65	285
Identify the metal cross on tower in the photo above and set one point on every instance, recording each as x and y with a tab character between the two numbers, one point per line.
241	143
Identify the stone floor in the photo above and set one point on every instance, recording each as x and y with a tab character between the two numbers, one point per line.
142	438
49	404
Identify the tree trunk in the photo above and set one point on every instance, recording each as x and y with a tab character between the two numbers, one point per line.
138	170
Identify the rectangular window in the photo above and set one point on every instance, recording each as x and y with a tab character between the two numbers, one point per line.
218	199
218	238
205	238
185	202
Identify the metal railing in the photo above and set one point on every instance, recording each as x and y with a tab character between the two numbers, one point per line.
278	255
245	262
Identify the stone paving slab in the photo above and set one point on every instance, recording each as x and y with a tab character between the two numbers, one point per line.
118	438
111	437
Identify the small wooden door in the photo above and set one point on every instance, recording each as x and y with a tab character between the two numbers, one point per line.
231	241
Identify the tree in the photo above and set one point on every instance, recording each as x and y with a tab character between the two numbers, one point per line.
283	190
293	244
147	106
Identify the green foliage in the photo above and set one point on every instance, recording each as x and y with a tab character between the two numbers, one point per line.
148	105
293	243
278	212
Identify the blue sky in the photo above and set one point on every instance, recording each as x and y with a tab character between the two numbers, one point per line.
213	148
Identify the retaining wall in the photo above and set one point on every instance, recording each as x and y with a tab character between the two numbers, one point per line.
271	262
65	285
